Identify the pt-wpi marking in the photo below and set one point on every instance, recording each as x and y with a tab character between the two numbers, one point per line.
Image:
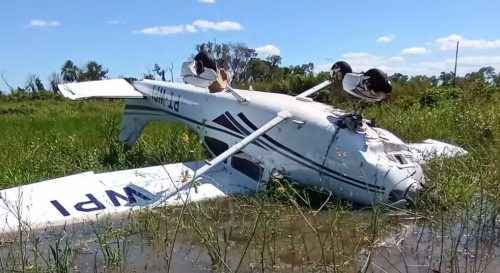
93	204
160	96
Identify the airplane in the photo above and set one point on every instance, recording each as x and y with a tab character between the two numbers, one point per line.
251	136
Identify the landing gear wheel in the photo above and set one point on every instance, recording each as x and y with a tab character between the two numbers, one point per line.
204	59
339	69
378	81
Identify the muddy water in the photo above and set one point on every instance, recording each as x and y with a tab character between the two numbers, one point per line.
255	237
456	244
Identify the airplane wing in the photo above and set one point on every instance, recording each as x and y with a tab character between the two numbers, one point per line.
281	116
89	196
430	148
113	89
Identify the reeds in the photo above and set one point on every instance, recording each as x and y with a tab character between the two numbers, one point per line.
282	229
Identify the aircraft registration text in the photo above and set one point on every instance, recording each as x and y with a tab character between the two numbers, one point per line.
161	96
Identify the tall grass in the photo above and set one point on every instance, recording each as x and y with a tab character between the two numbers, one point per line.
61	137
280	230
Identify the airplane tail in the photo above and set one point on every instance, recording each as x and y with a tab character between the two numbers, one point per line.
133	121
137	114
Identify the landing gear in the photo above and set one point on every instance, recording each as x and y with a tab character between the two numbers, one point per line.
339	69
377	81
371	86
204	60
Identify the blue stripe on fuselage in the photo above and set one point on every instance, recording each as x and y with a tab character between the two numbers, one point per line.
310	165
147	108
340	176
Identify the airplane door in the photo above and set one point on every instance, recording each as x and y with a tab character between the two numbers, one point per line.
248	166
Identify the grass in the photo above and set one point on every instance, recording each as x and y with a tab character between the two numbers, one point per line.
61	138
279	230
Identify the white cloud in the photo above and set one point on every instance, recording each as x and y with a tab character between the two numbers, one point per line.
191	28
363	61
396	59
163	30
221	26
113	22
415	51
207	1
36	23
477	61
267	50
450	43
385	39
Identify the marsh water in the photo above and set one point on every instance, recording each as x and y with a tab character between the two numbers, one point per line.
252	236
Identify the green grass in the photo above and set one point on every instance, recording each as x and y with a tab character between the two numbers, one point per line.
51	138
58	138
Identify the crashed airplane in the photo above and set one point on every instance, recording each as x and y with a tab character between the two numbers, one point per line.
251	135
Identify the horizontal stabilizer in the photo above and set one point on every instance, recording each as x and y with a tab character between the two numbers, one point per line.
89	196
431	148
112	89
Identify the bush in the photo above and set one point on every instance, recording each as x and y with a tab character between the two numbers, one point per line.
434	96
477	90
24	95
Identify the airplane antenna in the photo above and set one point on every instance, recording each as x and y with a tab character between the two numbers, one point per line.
455	70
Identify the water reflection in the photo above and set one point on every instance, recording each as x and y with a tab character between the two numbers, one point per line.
252	235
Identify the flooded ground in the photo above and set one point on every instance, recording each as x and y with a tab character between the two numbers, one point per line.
250	235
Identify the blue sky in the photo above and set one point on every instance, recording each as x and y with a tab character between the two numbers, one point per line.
128	37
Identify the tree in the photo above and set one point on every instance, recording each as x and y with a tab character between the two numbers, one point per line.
34	84
54	80
275	60
258	70
160	72
220	52
240	57
488	73
446	78
398	78
70	72
302	70
149	76
93	72
232	57
275	72
2	75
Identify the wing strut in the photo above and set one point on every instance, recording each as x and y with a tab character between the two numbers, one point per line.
237	147
244	142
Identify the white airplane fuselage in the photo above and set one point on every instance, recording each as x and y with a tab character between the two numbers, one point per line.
366	165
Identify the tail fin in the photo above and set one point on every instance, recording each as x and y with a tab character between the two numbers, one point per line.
112	89
138	114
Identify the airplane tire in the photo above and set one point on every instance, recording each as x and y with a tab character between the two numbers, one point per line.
379	82
204	59
343	67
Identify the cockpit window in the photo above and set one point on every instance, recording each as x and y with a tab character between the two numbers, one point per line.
216	146
246	165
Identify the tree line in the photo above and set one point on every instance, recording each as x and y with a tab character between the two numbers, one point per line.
246	68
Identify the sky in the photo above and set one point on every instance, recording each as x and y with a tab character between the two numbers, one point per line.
129	37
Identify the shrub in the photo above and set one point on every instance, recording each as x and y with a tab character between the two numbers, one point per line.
434	96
